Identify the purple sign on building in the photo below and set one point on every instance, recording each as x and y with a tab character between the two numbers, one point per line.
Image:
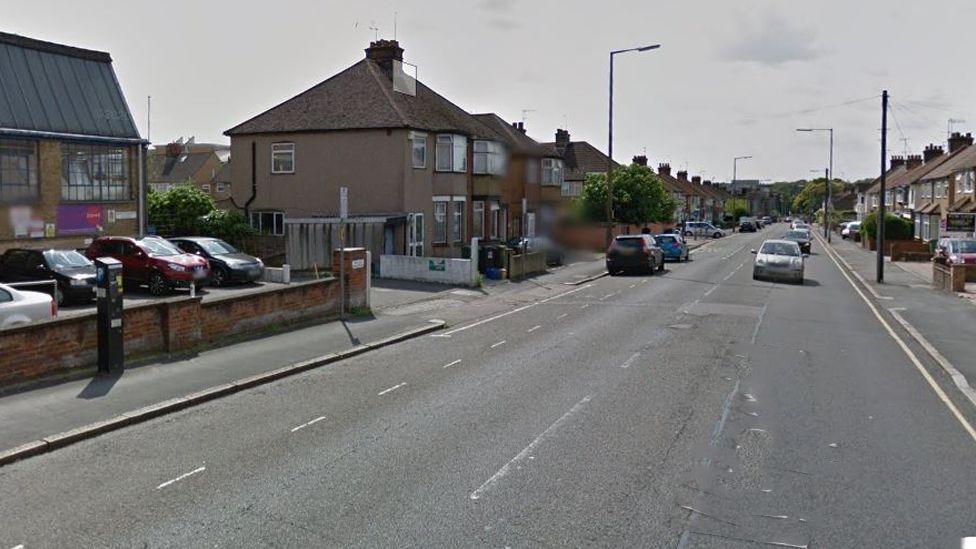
79	219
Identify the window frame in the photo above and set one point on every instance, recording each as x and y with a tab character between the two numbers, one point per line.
32	166
415	139
440	225
478	219
457	220
276	150
492	157
275	224
458	156
82	163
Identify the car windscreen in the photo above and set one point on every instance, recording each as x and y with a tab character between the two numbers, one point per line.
629	242
964	246
797	235
216	247
157	247
668	239
65	259
780	248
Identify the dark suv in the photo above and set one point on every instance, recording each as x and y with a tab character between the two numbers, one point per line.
634	252
74	273
152	261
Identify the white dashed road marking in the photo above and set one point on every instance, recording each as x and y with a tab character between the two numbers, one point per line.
532	329
493	345
630	360
306	424
181	477
394	388
449	364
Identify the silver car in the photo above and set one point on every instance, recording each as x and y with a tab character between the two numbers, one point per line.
779	260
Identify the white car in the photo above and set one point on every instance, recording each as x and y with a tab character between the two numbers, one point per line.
19	307
779	260
850	229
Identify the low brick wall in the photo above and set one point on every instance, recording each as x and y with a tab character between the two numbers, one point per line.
948	278
174	325
533	263
908	250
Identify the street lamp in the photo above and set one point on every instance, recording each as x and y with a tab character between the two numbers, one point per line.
609	204
830	176
734	162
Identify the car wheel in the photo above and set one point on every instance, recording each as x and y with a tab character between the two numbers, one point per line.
717	235
219	277
157	284
651	267
58	296
660	268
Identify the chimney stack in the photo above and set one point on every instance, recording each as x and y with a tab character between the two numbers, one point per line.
696	180
682	175
897	160
932	152
913	161
707	183
384	52
664	169
958	141
640	160
562	140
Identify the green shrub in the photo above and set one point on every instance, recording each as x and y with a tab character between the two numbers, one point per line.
896	228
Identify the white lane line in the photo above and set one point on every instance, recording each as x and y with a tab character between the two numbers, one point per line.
905	349
493	345
181	477
562	316
449	364
532	329
513	311
630	360
21	546
306	424
710	290
394	388
957	377
762	314
527	450
585	305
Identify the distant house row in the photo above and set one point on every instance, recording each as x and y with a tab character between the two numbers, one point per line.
927	188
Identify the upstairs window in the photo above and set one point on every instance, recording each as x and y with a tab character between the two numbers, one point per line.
452	153
552	171
18	170
282	158
418	149
94	173
489	157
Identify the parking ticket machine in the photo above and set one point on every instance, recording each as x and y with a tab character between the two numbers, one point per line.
108	295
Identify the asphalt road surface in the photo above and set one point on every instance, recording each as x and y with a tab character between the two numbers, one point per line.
697	408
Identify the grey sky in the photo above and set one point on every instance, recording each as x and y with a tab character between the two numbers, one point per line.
732	78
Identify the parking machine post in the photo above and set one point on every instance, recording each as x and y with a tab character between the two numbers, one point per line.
108	294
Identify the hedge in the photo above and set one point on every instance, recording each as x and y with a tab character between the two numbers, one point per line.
896	228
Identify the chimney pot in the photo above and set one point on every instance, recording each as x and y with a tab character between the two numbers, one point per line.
562	140
640	160
696	180
931	152
385	52
682	175
958	141
664	168
896	161
913	161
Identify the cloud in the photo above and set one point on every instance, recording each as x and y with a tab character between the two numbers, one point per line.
771	41
504	23
496	5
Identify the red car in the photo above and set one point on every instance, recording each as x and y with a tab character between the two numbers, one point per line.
152	261
960	251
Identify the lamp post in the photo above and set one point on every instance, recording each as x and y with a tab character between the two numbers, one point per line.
609	199
734	162
830	176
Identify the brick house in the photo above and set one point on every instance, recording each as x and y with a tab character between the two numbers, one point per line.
407	155
199	164
571	162
71	159
946	188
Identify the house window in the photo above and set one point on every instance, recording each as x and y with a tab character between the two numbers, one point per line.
18	170
94	172
478	221
418	147
457	221
489	157
282	158
440	222
221	187
452	153
206	188
552	171
532	171
272	223
495	212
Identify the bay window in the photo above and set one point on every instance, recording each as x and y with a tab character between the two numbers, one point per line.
94	172
418	147
282	158
452	153
489	157
552	171
18	170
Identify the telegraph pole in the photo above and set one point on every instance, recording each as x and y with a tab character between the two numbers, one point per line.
881	190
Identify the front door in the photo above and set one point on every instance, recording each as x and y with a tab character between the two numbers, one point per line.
388	244
415	235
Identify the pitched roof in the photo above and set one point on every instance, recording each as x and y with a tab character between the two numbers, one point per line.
362	97
516	139
50	88
580	158
176	169
889	175
962	159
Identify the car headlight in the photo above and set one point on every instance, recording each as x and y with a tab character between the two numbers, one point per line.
79	282
176	267
760	261
954	258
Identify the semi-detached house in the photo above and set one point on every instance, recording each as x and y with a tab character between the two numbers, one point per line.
411	160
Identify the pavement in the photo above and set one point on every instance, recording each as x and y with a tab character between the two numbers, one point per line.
698	408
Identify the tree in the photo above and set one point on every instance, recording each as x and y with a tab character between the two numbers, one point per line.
185	210
736	208
810	199
638	197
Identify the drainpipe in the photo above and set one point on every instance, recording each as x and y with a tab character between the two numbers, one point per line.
254	182
141	159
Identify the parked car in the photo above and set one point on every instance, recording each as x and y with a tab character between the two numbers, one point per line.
19	307
801	237
73	272
555	254
227	264
779	260
850	230
767	220
747	227
702	228
152	261
957	251
673	246
638	252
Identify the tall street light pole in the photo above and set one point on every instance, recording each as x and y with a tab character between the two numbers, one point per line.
830	176
734	162
609	199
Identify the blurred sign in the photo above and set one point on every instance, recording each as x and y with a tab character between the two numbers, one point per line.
120	215
436	265
79	219
343	202
358	263
20	218
960	223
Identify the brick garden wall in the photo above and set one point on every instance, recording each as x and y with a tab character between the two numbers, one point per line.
174	325
594	236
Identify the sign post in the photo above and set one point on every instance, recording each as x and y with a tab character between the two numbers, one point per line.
343	214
